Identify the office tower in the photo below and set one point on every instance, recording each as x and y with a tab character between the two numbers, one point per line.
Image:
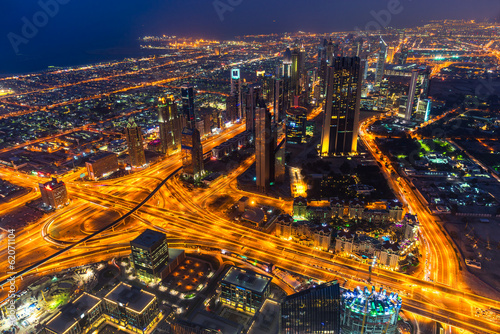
231	109
330	54
101	165
132	308
279	101
365	311
296	71
413	90
286	71
264	155
188	110
150	254
359	47
341	116
315	310
54	193
253	96
236	93
267	84
382	54
135	143
278	166
192	153
170	125
296	118
244	289
390	54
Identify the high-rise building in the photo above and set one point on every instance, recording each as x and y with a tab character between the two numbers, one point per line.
382	55
188	110
253	96
365	311
315	310
295	78
244	289
192	153
170	125
341	116
54	193
296	119
279	102
264	155
135	142
236	93
150	254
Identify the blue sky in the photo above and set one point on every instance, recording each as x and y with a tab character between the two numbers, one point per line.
83	26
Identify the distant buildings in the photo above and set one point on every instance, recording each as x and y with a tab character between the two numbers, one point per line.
365	311
315	310
170	123
135	142
340	126
188	110
54	194
151	257
244	289
192	153
101	165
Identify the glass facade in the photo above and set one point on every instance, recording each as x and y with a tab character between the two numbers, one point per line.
340	126
315	310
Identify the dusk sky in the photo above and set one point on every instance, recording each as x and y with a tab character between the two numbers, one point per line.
83	27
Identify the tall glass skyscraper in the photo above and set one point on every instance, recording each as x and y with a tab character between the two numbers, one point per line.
170	125
341	117
187	95
315	310
135	142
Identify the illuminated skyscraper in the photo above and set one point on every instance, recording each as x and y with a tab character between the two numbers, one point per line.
236	94
135	142
170	125
188	110
264	157
365	311
296	118
382	54
192	153
279	102
315	310
253	96
295	78
341	117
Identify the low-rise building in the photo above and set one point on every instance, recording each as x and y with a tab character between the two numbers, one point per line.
101	165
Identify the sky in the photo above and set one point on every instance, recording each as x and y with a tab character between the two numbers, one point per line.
81	31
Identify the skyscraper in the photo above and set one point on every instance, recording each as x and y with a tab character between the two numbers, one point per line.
295	78
382	54
315	310
170	125
279	102
236	93
365	311
135	142
341	117
192	153
264	157
252	97
187	95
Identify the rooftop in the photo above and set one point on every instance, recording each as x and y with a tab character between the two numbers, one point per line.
247	279
72	313
130	296
148	238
